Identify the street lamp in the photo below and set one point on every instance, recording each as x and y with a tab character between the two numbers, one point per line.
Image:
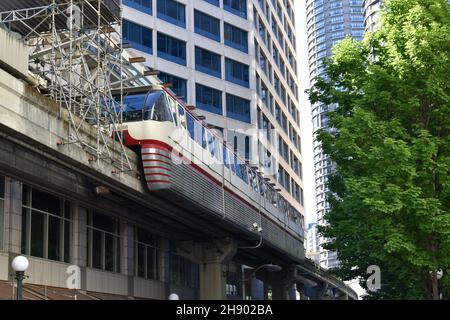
19	265
174	296
269	267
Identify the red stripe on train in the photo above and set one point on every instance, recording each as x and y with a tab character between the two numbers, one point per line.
156	167
157	174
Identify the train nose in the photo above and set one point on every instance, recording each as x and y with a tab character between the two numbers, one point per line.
157	165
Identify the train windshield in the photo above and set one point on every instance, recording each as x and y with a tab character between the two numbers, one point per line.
151	105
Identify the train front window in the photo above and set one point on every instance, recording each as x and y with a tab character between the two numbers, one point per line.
157	107
133	105
147	106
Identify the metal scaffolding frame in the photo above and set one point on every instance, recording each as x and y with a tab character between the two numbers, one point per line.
76	51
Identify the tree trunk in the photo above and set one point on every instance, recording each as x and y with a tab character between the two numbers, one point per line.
434	286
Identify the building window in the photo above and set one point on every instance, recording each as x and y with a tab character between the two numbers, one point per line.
103	242
46	225
237	7
181	271
238	108
236	37
206	25
173	12
146	255
236	72
208	99
2	206
208	62
214	2
141	5
138	36
178	85
171	49
247	148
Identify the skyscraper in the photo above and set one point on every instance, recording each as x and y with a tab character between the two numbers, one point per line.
235	61
372	14
328	22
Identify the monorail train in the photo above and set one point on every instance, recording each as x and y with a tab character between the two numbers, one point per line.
171	138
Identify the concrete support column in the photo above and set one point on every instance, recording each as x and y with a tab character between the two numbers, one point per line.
79	242
79	245
257	289
213	258
127	249
127	260
212	269
12	216
282	283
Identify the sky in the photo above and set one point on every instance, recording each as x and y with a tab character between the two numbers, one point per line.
305	114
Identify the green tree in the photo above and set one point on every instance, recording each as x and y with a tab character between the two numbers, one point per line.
390	195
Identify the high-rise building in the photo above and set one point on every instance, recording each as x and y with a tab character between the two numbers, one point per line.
235	61
328	22
312	243
372	14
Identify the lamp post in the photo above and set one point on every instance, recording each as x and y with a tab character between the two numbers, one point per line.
269	267
19	265
174	296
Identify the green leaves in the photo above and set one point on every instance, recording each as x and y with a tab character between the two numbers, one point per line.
390	195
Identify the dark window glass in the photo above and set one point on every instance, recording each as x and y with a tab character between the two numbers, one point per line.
237	7
173	12
104	222
238	108
236	72
178	85
25	235
206	25
54	238
46	202
208	99
236	37
141	260
67	242
138	36
141	5
2	187
214	2
208	62
171	49
37	234
110	243
97	251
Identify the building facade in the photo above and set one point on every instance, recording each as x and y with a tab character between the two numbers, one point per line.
372	14
312	243
328	22
235	61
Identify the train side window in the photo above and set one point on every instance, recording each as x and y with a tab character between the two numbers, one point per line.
211	144
237	166
232	161
173	108
191	126
182	116
217	146
226	160
198	133
244	173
